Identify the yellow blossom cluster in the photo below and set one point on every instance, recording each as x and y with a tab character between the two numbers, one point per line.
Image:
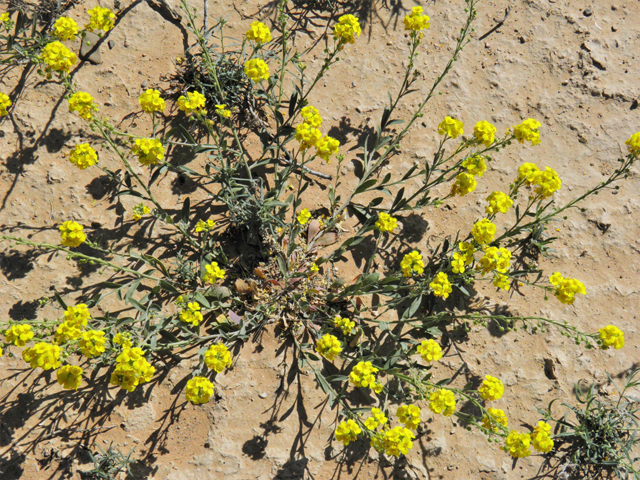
346	30
491	388
344	324
440	286
57	57
528	130
148	150
194	102
69	377
498	202
395	441
329	346
92	343
442	401
326	147
258	32
364	375
65	28
5	102
256	69
494	418
465	183
151	101
19	335
199	390
430	350
416	21
484	132
475	165
347	432
42	354
409	415
463	258
83	103
213	273
377	419
307	135
132	369
304	216
72	234
139	211
203	226
311	116
546	182
191	314
518	444
223	111
412	263
100	19
633	142
611	336
483	231
386	223
541	437
218	357
83	156
495	258
450	126
566	288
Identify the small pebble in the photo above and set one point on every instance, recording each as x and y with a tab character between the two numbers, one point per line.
263	395
111	44
587	12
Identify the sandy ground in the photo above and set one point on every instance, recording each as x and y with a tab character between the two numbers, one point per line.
572	65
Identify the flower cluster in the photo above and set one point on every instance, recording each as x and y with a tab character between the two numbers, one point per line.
191	314
5	102
213	273
386	223
139	211
327	146
346	30
42	354
151	101
258	32
464	258
329	346
527	172
57	57
412	263
132	369
65	28
92	343
484	132
483	231
633	142
495	258
199	390
547	181
69	377
416	21
83	156
528	130
19	335
430	351
72	234
203	226
440	286
517	444
347	432
409	415
256	69
304	216
377	419
344	324
66	332
218	357
395	441
307	135
541	437
449	126
442	401
364	375
148	150
223	111
611	336
475	165
498	202
494	418
311	116
566	288
193	102
100	19
83	103
465	183
491	388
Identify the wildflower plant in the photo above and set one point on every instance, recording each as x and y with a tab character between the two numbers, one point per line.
234	93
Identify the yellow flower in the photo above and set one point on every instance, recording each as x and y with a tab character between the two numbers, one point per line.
430	351
326	147
483	231
304	216
148	150
92	343
314	268
344	324
377	419
329	346
4	17
66	332
386	223
122	339
491	388
139	211
43	355
347	432
494	418
547	182
484	132
258	32
441	286
77	315
416	21
442	401
495	259
611	336
397	441
363	375
65	28
72	234
465	183
541	437
498	202
213	273
58	57
218	357
449	126
203	226
83	103
528	130
100	19
19	335
132	369
69	377
458	263
193	102
83	156
412	263
633	142
528	172
467	249
5	102
307	135
311	116
256	69
475	165
346	30
199	390
151	101
191	314
517	444
409	415
501	281
223	111
566	288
